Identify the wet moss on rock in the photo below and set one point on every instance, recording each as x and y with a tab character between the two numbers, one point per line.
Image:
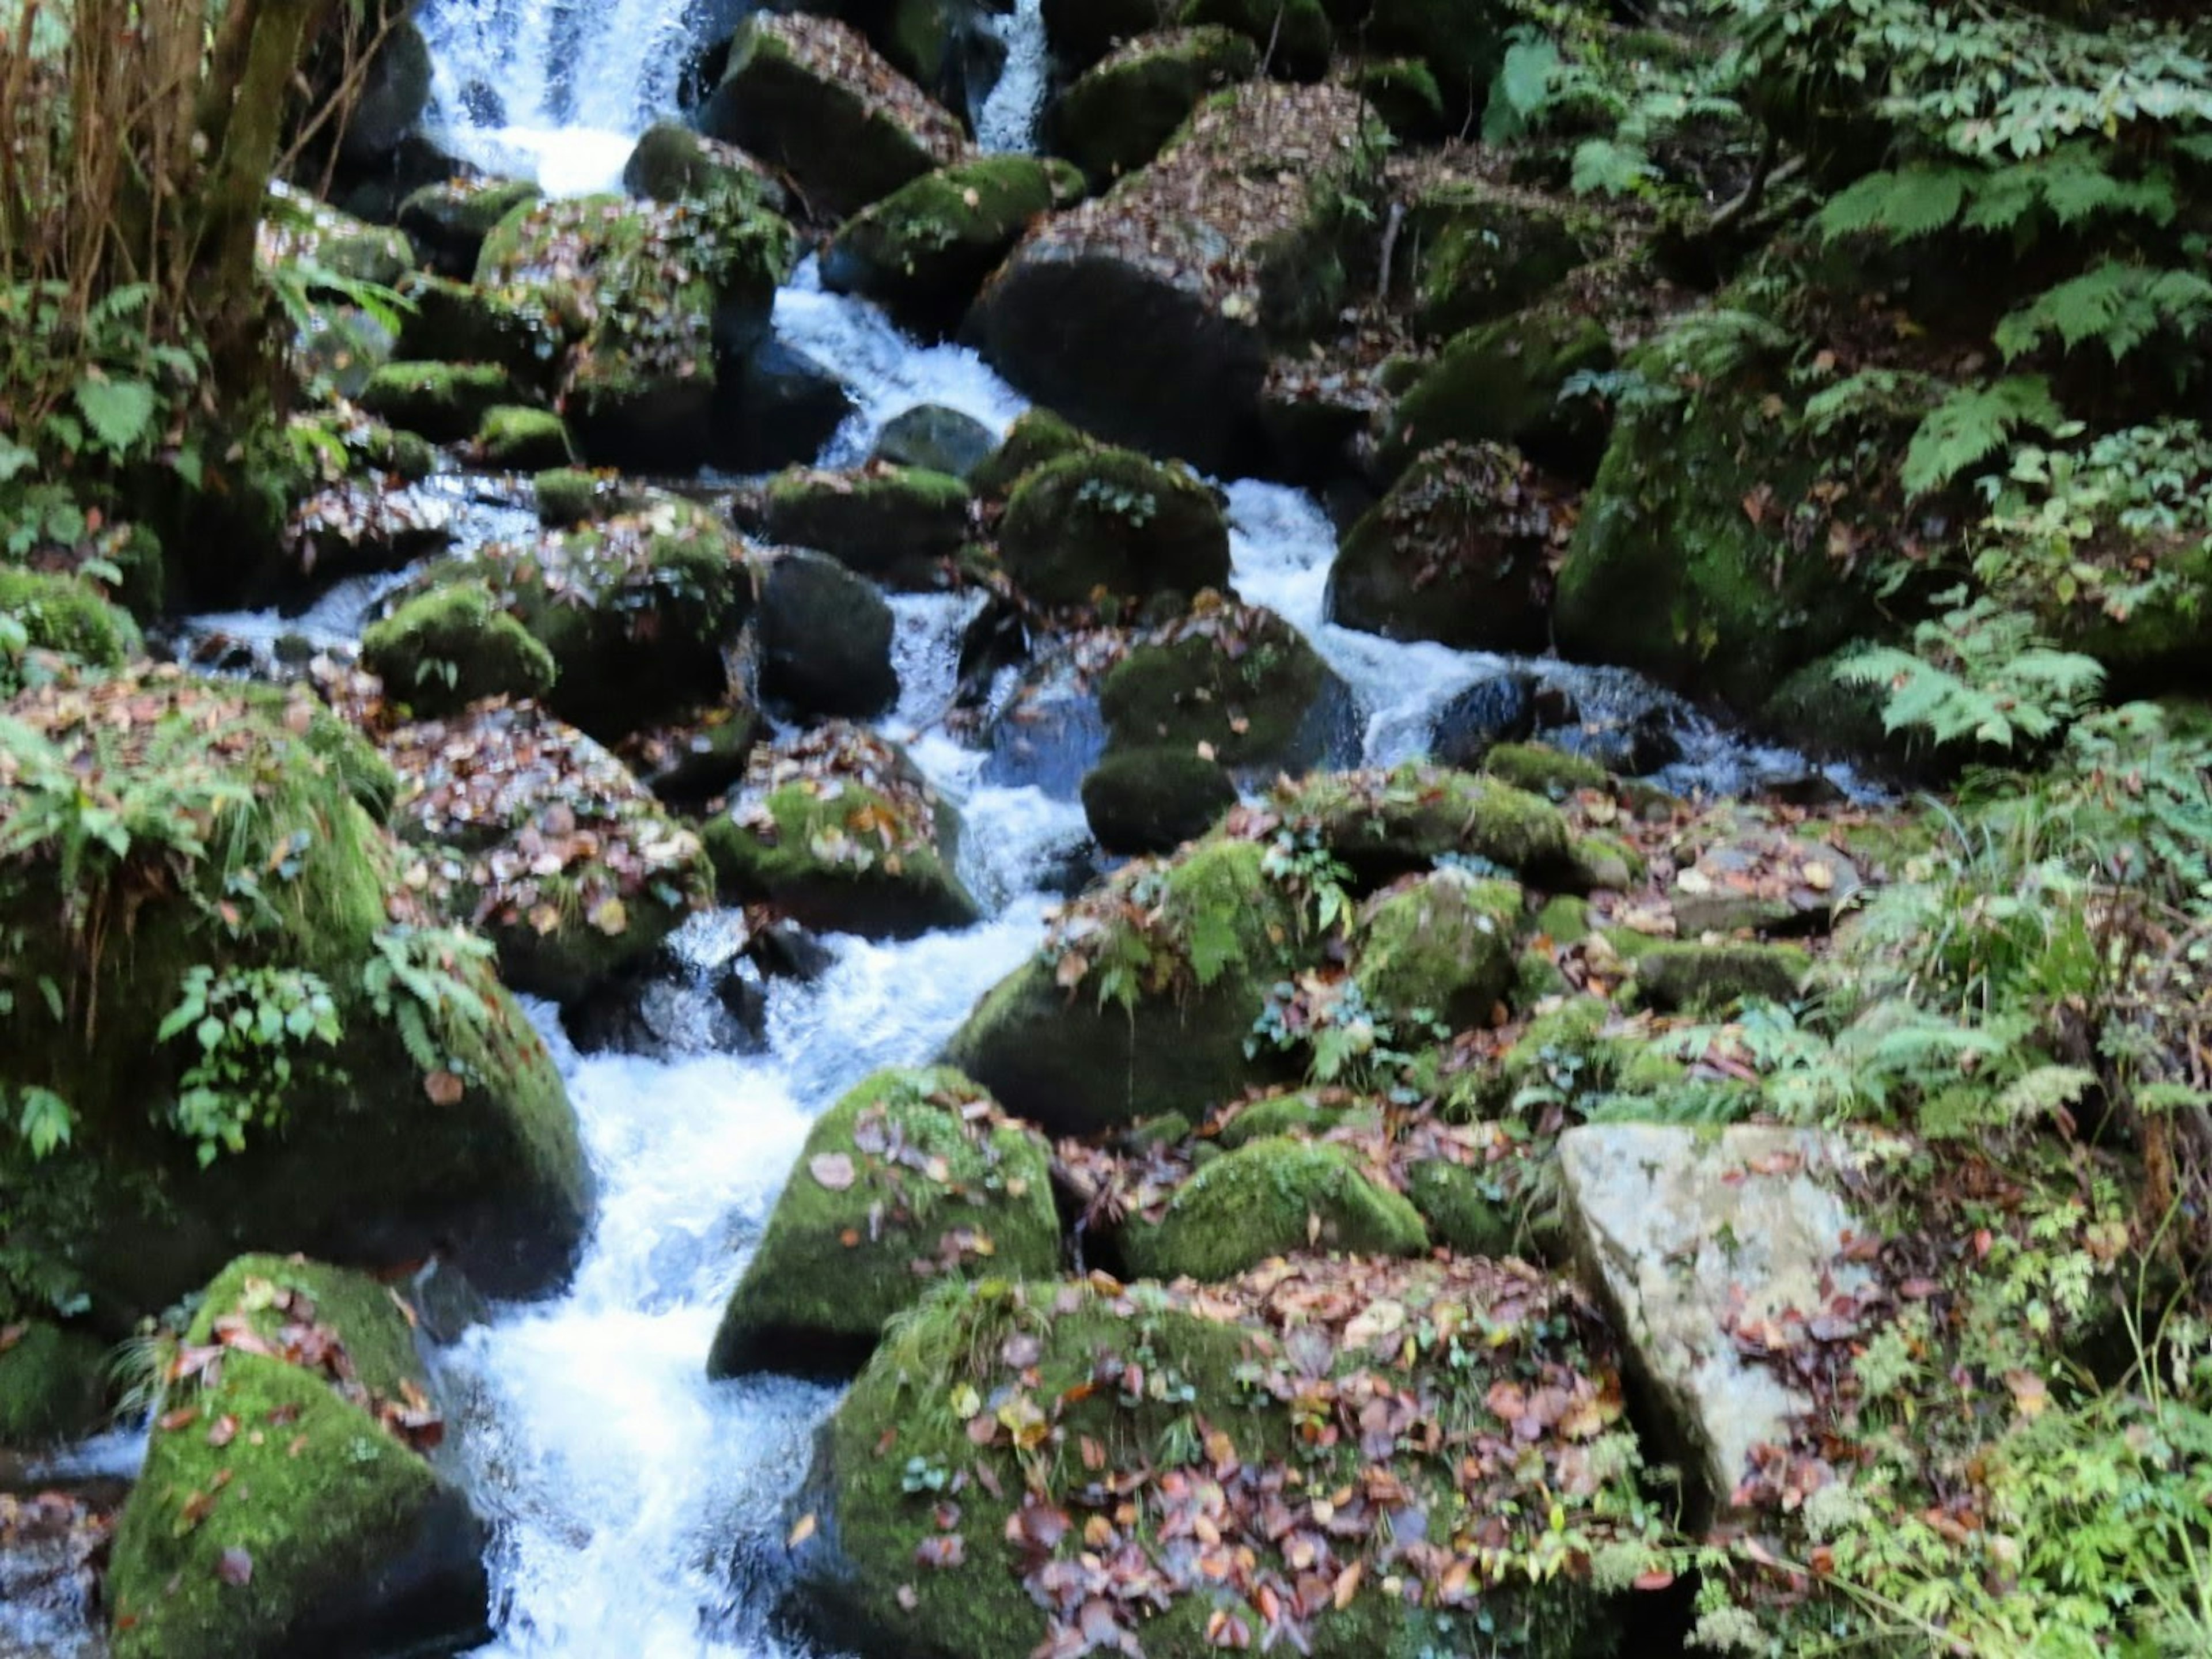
1036	437
53	1384
674	163
1440	943
1236	678
522	439
442	650
1502	382
1293	36
1388	824
443	402
449	220
923	251
1120	113
1541	769
1707	978
1111	519
898	525
1271	1197
1153	799
64	620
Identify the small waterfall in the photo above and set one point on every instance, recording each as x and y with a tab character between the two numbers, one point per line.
1007	123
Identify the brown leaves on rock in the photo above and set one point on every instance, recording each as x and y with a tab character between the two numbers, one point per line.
865	803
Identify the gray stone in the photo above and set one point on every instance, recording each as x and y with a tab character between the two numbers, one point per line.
1688	1236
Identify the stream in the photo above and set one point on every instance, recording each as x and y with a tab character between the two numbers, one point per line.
639	1507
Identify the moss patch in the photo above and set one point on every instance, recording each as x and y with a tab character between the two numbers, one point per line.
53	1384
1236	678
442	402
894	525
1110	520
442	650
1272	1197
1442	943
1153	799
924	249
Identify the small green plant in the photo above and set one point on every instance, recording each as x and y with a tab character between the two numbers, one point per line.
252	1029
411	979
1977	671
1137	507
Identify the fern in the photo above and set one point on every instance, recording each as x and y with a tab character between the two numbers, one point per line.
1972	424
2115	305
1978	672
1916	201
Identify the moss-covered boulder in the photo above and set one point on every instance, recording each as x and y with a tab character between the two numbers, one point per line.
1151	1417
402	1102
1271	1197
1153	799
1036	437
825	639
1468	1209
510	439
1121	112
567	496
1142	998
53	1384
840	832
286	1505
1707	978
1404	94
661	303
49	622
811	96
1150	315
1441	943
1459	551
456	322
895	524
443	402
1236	679
1461	42
923	251
915	1176
448	222
1487	251
935	439
297	228
673	162
443	649
1386	823
1502	382
634	610
1542	769
1293	35
1109	520
529	833
1701	556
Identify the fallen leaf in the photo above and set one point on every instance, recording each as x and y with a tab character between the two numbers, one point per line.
831	1170
235	1568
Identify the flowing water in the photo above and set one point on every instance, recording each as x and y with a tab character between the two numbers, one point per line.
640	1506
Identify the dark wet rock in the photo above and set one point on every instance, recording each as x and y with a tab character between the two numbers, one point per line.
448	222
936	439
1048	737
443	402
1153	799
453	322
1236	684
787	407
898	525
1499	709
825	639
1121	112
1405	94
394	94
1487	251
1292	36
1111	519
696	755
1083	31
673	163
1503	382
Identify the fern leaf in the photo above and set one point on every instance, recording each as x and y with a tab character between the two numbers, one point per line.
1972	424
119	412
1916	201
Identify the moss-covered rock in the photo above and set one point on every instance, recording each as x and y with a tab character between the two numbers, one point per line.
661	303
1109	519
1141	1000
1153	799
397	1126
1236	678
62	620
1036	437
1487	251
568	495
1388	824
1403	92
296	228
1150	315
1501	382
53	1384
522	439
448	222
443	649
1271	1197
1462	42
1303	1114
1459	551
1121	112
1468	1211
1198	1404
935	439
674	163
635	610
1706	978
1441	942
454	322
825	639
443	402
914	1177
534	835
811	96
839	831
286	1504
1541	769
1294	34
898	525
923	251
1083	31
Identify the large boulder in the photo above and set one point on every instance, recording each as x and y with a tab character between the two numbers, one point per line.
448	222
1440	944
1276	1461
1461	42
456	322
840	832
899	526
1135	1008
390	96
924	250
662	302
810	95
935	439
1502	382
442	649
1082	32
1461	551
913	1177
1484	251
1109	519
1149	314
825	639
1691	1237
1274	1195
673	163
287	1505
1120	113
443	402
1383	824
1152	800
254	1038
1235	681
532	835
635	611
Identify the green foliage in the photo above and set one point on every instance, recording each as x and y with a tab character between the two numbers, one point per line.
127	393
247	1023
1972	424
1977	671
411	979
2118	306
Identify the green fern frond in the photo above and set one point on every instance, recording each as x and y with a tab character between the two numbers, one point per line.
1972	424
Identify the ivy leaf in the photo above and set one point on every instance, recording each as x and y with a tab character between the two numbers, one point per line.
119	412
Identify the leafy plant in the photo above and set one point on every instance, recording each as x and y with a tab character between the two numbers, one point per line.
248	1025
1977	671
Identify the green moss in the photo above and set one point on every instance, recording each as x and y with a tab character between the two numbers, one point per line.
1487	252
569	496
1564	919
938	1178
1153	799
1462	41
1602	860
1306	1115
380	1343
1500	383
1385	824
924	249
1120	113
452	218
1272	1197
672	163
1468	1211
1112	520
442	650
896	524
808	860
454	322
53	1385
515	440
442	402
1036	437
1705	978
1541	769
1442	944
1405	94
1242	681
1295	33
66	616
